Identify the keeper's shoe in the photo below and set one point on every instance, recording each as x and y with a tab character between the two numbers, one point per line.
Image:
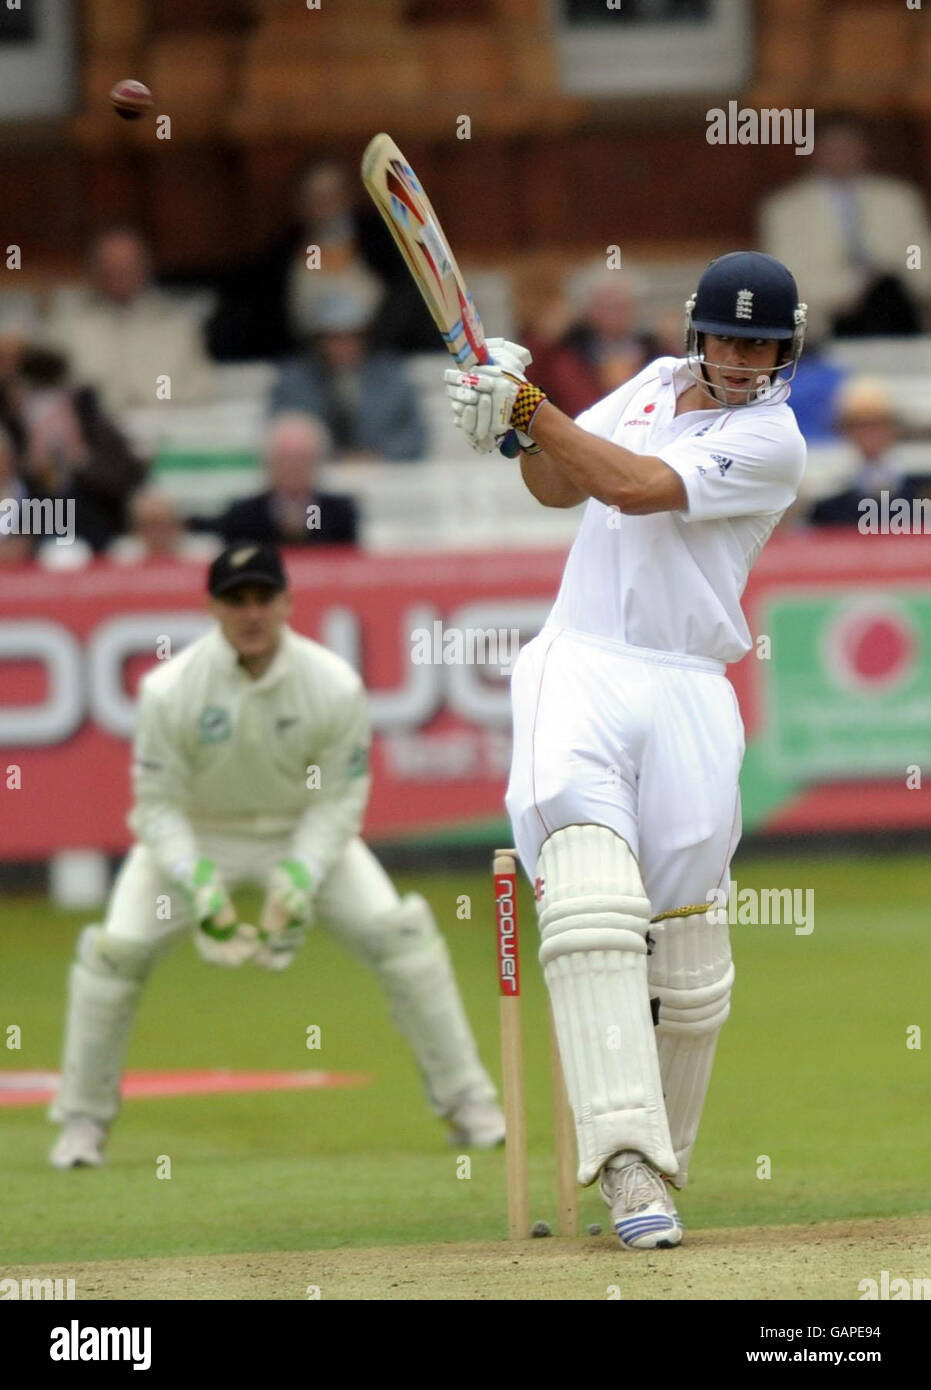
80	1143
642	1210
476	1124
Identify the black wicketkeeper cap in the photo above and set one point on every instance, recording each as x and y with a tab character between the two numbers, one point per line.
246	562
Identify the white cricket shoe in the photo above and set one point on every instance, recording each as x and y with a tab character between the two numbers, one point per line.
642	1210
476	1124
80	1143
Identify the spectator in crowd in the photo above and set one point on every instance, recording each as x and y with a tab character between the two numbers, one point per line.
15	549
122	334
291	511
156	532
600	347
870	426
363	396
68	448
267	306
846	232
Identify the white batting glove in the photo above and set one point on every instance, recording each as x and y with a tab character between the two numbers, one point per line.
218	937
286	915
481	400
511	356
514	359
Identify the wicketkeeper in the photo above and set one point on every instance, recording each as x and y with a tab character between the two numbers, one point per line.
251	766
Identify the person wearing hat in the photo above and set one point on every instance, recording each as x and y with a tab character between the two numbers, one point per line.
251	765
869	424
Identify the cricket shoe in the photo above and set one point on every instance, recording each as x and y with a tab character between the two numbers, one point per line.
642	1210
80	1143
476	1124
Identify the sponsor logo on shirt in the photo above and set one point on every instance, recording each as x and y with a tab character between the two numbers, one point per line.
723	463
214	725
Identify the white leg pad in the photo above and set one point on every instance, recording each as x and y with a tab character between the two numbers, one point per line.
411	961
691	973
104	988
594	916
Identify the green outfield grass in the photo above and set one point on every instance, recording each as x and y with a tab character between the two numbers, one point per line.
813	1071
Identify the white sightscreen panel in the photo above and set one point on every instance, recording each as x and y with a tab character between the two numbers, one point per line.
622	56
37	63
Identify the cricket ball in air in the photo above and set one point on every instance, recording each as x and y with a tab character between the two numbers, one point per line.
130	99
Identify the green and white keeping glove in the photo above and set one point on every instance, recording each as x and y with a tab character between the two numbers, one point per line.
219	938
286	914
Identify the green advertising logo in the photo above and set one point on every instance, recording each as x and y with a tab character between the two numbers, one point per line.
848	690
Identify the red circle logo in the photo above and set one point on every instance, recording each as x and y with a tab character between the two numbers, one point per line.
872	649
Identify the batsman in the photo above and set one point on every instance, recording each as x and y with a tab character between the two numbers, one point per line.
623	793
251	765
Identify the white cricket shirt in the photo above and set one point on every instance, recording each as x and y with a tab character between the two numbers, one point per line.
672	581
284	755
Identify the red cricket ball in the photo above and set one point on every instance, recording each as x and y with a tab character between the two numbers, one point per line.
130	99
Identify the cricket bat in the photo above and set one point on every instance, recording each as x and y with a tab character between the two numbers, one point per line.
399	196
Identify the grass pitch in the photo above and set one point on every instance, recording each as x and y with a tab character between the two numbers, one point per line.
268	1191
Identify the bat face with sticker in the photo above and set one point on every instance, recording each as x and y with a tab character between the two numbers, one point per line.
400	198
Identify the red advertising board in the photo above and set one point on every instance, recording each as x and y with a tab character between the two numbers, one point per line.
848	648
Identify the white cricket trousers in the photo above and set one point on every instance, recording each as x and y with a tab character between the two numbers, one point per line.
647	743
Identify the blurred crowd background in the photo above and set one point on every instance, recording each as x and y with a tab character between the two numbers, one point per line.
207	333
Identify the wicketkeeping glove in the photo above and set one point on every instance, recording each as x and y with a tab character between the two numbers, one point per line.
218	937
286	915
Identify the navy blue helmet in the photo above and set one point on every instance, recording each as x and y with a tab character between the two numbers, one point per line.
747	294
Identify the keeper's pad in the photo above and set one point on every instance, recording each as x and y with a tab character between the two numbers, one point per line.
691	974
411	961
104	988
594	916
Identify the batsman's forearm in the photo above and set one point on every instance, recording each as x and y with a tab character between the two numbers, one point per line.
547	482
633	483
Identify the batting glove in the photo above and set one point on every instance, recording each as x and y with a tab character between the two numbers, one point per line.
218	937
514	359
286	915
488	401
511	356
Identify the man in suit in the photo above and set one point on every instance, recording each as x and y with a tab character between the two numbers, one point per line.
291	511
847	232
